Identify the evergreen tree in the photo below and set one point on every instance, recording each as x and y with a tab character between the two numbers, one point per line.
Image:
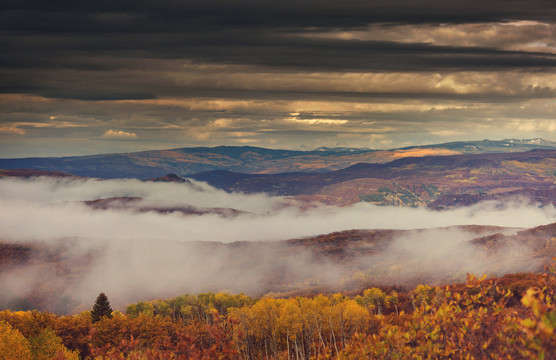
101	308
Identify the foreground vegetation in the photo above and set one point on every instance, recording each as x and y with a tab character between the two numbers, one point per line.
500	318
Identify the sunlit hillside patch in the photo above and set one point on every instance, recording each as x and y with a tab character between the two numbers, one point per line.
546	167
423	152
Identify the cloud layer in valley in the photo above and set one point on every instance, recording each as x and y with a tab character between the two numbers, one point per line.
55	209
135	254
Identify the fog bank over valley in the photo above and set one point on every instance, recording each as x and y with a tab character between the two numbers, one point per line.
144	245
46	209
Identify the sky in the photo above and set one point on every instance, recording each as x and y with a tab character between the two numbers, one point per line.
84	77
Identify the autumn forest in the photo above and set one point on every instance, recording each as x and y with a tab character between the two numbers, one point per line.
510	317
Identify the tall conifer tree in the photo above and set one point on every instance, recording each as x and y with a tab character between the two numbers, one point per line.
101	308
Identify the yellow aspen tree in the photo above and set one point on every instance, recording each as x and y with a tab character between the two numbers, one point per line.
13	345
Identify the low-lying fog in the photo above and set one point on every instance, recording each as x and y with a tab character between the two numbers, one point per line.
47	208
142	254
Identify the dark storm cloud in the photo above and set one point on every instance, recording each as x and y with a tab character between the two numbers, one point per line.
102	51
175	16
54	48
191	28
59	65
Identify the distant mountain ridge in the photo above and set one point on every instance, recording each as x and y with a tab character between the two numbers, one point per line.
437	181
252	160
489	146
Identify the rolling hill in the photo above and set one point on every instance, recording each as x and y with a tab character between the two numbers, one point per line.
339	261
252	160
440	180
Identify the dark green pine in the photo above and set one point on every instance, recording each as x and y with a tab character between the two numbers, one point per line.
101	308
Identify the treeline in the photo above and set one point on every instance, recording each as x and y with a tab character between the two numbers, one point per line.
499	318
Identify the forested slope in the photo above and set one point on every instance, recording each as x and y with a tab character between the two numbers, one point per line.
512	317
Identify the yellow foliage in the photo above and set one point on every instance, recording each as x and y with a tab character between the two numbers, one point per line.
47	345
13	344
468	180
289	322
544	167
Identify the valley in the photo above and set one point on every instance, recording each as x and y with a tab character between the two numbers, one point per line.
345	261
374	245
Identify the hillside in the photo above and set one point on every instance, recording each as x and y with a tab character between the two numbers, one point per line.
339	261
439	181
254	160
136	204
499	317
